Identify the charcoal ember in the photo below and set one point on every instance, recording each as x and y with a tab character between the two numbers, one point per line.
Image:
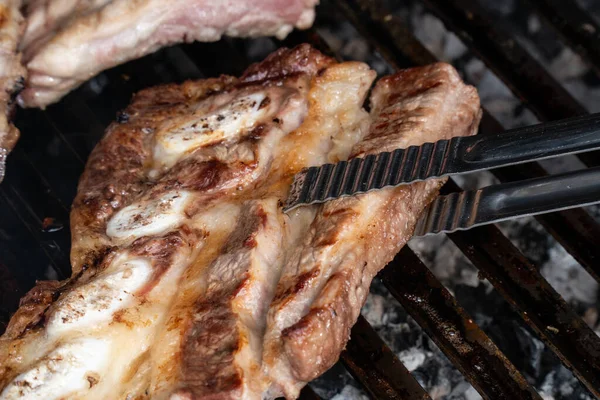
350	392
337	382
441	378
568	65
560	383
569	279
531	238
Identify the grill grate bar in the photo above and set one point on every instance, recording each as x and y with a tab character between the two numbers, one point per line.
507	58
540	306
22	244
372	363
9	285
523	75
575	25
51	152
202	54
451	328
574	229
386	32
54	240
308	394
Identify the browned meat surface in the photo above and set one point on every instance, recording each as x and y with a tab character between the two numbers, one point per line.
69	41
188	280
324	286
12	74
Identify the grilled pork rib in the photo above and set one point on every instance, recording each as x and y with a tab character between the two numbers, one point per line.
12	74
325	285
188	280
69	41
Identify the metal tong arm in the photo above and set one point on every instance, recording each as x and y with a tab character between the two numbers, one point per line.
467	209
516	146
445	157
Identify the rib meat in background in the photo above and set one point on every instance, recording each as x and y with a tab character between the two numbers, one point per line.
12	74
69	41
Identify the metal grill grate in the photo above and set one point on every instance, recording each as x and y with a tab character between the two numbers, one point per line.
44	170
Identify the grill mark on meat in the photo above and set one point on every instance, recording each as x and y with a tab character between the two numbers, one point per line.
215	337
303	338
302	283
305	279
257	132
266	101
92	263
161	252
220	329
197	175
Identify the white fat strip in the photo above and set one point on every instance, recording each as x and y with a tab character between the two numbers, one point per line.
69	370
93	304
222	124
149	217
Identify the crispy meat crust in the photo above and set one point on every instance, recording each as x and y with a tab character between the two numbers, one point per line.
123	170
230	298
117	170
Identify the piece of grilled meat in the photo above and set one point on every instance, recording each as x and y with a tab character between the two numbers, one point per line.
188	280
12	74
69	41
326	282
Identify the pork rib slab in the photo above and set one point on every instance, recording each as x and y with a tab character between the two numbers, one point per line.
123	30
223	341
323	289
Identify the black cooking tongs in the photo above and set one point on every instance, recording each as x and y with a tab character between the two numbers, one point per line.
460	155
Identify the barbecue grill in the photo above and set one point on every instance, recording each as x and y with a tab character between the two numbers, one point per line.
43	171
